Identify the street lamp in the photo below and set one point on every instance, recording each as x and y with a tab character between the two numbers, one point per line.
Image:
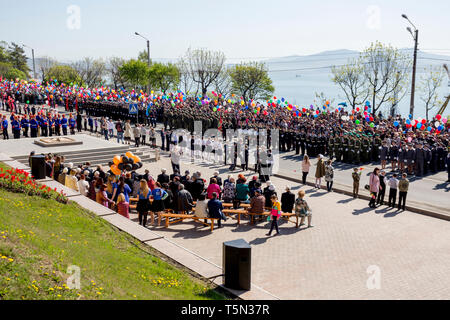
415	36
32	54
148	55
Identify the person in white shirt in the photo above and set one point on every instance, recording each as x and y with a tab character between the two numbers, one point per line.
83	185
393	185
201	208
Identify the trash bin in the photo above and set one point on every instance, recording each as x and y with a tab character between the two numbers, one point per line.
38	167
236	263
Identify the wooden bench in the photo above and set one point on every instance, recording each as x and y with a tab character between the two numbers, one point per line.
177	217
239	212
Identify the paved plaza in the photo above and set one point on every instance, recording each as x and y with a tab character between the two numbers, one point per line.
331	260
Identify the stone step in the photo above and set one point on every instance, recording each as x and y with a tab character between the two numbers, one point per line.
115	150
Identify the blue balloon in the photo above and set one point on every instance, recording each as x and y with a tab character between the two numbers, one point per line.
396	123
429	128
410	116
408	121
419	125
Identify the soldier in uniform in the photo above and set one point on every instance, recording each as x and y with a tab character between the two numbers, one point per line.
25	125
410	155
357	149
331	147
297	142
351	149
419	160
303	142
338	148
33	126
345	145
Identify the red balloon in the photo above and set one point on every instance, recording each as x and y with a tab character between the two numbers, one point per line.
424	121
357	109
371	119
317	111
438	117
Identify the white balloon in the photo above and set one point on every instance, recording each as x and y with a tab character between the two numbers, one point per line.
437	124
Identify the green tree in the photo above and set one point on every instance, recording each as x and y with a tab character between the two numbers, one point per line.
3	53
136	72
14	73
4	68
164	76
17	58
64	74
143	56
251	81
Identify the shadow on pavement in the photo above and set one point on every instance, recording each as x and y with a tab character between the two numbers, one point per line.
346	200
392	214
361	211
445	186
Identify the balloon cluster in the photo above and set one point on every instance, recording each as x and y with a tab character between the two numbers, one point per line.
125	162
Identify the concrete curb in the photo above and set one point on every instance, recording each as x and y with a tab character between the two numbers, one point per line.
349	193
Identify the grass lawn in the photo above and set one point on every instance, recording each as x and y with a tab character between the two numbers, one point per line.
40	238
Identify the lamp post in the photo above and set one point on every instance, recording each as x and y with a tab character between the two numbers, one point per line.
415	36
34	65
148	56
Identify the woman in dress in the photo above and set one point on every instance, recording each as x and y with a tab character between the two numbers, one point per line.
374	186
127	134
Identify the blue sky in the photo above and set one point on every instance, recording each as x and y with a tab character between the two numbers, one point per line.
241	29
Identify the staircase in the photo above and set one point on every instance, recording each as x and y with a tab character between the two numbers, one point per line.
101	156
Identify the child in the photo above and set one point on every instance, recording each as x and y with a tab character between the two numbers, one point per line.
393	185
123	207
275	213
356	177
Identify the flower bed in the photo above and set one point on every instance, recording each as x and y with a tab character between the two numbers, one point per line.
20	181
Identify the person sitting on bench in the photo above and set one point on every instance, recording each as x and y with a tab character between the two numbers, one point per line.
215	208
257	203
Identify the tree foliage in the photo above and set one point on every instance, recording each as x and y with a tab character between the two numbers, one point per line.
63	74
251	81
17	58
136	72
164	76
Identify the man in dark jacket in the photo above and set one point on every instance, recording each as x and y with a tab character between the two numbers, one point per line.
215	208
163	177
287	200
197	187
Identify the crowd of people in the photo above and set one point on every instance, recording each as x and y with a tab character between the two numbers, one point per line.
176	192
